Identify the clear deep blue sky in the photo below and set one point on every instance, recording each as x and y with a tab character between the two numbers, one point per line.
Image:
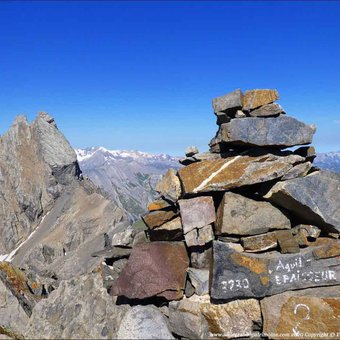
141	75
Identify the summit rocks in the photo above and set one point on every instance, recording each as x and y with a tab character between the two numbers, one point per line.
264	132
233	172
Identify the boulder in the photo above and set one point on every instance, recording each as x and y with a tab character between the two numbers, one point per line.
154	269
241	275
80	308
255	98
229	103
198	318
314	198
169	187
239	215
234	172
280	132
267	110
196	212
144	322
309	314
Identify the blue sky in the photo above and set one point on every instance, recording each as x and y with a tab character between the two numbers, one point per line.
141	75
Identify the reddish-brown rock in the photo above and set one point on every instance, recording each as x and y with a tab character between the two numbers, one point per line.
154	269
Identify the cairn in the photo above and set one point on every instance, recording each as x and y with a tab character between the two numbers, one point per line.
243	241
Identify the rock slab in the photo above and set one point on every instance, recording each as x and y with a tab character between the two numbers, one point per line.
241	275
233	172
281	132
154	269
239	215
314	198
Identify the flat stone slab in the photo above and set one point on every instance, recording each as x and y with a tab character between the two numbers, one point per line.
233	172
243	275
304	314
255	98
239	215
154	269
196	212
267	110
281	131
314	198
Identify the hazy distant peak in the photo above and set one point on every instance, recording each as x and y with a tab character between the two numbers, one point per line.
83	154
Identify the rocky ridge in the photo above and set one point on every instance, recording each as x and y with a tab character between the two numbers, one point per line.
242	242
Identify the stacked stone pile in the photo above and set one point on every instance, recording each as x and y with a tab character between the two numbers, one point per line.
244	239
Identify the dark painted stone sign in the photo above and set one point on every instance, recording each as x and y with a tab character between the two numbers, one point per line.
241	275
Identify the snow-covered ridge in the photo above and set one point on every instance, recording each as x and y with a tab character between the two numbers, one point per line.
83	154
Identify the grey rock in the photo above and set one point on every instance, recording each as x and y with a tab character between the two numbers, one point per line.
299	170
196	212
189	289
242	275
229	102
79	309
77	226
36	163
239	215
199	278
314	198
267	110
191	150
201	257
123	238
144	322
279	132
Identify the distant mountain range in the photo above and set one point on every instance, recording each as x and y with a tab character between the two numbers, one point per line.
129	177
328	160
